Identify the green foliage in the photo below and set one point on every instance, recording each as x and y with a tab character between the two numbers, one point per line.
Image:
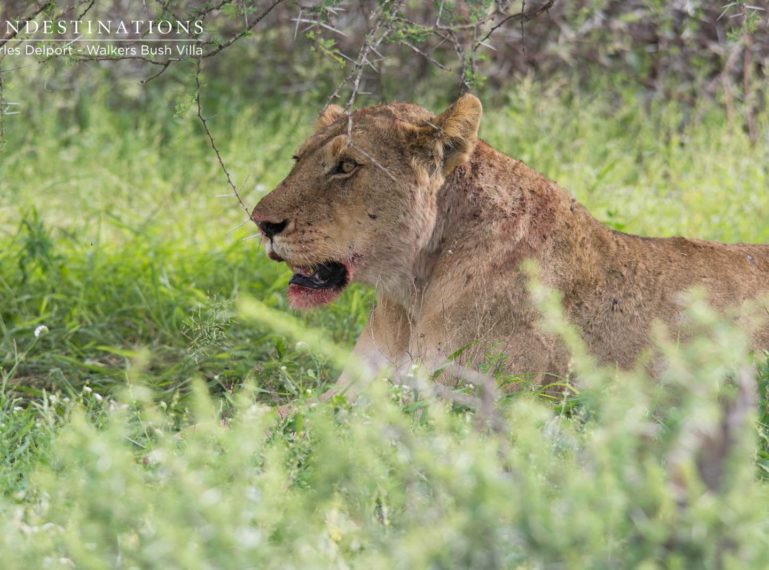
36	248
750	18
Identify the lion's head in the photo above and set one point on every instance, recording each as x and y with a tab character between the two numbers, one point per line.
360	201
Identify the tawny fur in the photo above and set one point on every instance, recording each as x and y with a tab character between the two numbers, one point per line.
439	223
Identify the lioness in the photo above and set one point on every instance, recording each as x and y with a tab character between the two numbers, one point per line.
439	222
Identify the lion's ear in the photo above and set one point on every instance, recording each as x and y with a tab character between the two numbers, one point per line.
459	130
330	114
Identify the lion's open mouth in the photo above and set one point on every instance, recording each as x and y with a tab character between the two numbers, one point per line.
317	285
324	276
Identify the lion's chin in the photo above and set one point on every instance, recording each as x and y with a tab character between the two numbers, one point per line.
307	298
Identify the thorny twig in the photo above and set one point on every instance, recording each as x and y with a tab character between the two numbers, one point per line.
245	31
382	27
465	49
300	20
211	141
523	15
380	30
424	54
523	27
201	117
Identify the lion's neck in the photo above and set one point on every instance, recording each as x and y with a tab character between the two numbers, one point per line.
492	213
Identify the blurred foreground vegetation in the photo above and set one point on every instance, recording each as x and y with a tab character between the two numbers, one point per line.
627	474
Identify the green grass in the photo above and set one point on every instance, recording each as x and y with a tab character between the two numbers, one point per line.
120	243
115	236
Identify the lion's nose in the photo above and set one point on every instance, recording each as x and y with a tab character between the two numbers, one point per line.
271	229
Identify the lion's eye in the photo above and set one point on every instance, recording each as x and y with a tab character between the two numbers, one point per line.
345	166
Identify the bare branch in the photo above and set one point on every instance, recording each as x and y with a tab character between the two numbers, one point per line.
383	18
427	56
373	160
211	141
29	18
86	10
373	38
123	58
250	27
523	15
300	20
158	74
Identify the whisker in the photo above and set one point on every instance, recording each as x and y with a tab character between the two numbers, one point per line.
253	236
236	228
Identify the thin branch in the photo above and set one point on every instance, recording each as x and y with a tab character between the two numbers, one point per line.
124	57
424	54
250	27
158	74
211	141
375	36
523	27
300	20
29	18
362	61
86	10
523	15
373	160
440	13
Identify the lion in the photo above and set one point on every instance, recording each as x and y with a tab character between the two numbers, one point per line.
439	223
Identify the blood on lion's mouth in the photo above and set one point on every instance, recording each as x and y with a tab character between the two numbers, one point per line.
317	285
